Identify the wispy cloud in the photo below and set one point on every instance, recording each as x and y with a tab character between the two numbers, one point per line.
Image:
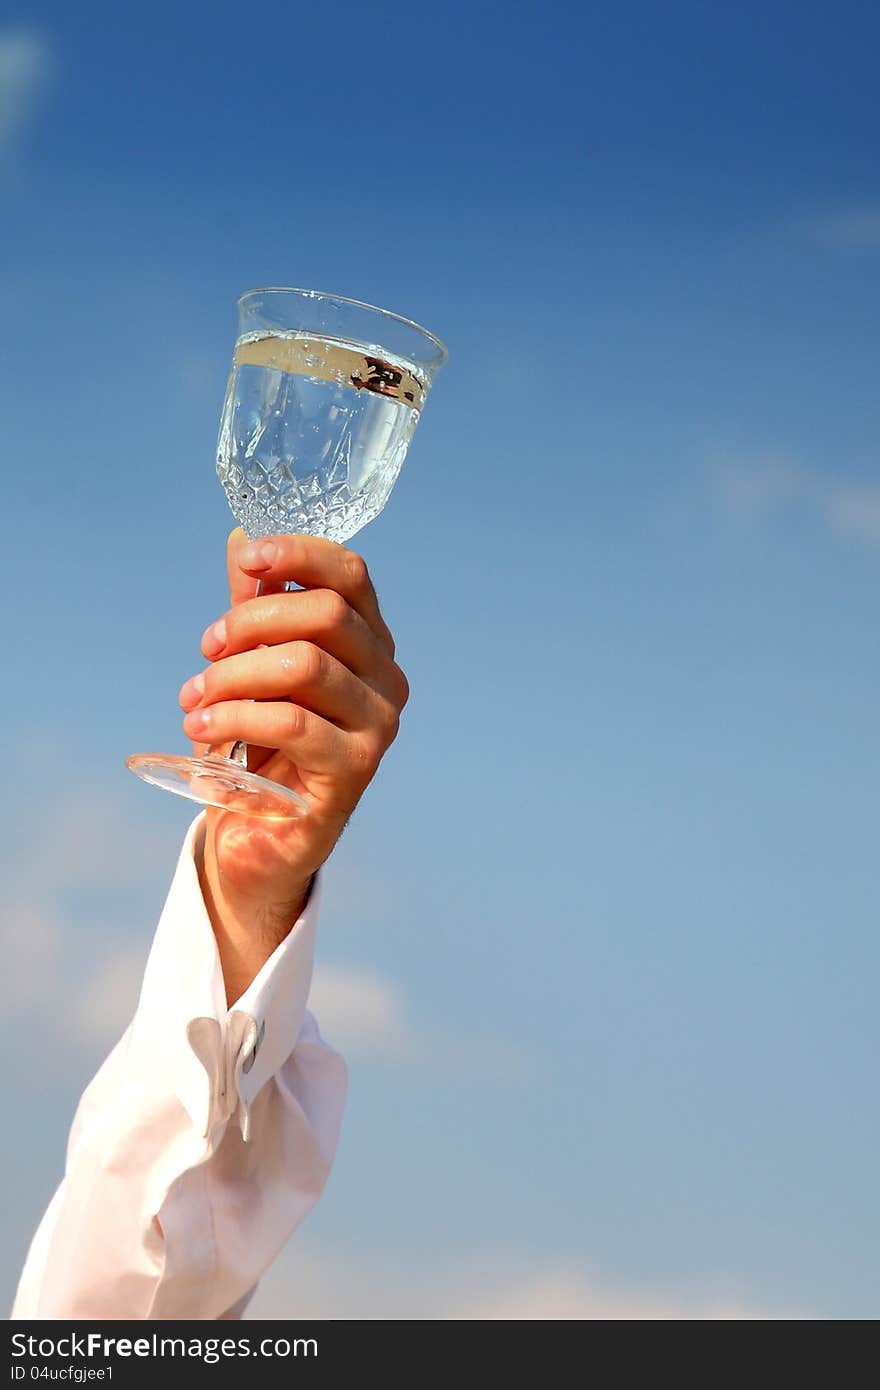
565	1293
364	1012
32	942
761	485
25	73
752	486
855	509
847	229
75	1005
79	876
360	1009
102	1006
308	1282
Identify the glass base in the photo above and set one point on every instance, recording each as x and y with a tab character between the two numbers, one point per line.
216	781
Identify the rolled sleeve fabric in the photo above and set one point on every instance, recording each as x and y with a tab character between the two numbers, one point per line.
203	1140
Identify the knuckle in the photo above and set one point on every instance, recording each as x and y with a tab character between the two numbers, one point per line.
233	622
334	611
356	571
310	662
386	636
293	722
389	722
213	684
392	727
402	690
368	749
303	662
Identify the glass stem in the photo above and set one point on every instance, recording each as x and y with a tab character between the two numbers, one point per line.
238	753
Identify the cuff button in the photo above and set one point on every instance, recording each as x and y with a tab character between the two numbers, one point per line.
252	1055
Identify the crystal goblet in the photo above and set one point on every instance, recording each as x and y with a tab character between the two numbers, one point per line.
322	402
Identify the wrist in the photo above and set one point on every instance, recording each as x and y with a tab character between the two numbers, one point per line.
247	927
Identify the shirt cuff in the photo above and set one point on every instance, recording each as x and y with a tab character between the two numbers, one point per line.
216	1061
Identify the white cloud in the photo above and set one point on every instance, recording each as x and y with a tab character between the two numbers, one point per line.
765	484
94	839
64	998
564	1294
359	1009
101	1007
31	941
307	1282
849	229
78	978
856	509
362	1011
749	486
25	69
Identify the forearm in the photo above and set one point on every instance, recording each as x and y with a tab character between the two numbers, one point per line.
247	927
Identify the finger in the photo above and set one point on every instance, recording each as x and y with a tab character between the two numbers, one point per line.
305	738
241	586
321	616
316	563
298	671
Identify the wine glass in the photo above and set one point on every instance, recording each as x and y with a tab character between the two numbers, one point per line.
323	399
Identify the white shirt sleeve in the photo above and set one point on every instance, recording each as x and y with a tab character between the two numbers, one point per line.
203	1140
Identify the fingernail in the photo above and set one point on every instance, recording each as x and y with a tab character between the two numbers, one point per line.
260	555
191	692
214	639
197	722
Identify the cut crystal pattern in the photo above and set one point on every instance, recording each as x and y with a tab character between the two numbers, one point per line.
300	453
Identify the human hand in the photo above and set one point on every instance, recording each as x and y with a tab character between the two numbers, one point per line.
308	680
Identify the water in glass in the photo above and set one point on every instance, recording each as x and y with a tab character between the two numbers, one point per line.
307	443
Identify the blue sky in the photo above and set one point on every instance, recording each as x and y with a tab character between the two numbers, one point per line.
600	943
